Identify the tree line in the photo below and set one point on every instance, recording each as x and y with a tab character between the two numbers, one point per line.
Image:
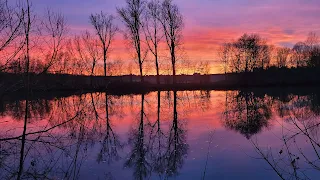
251	53
147	25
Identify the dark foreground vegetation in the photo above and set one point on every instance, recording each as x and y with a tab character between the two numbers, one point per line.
64	84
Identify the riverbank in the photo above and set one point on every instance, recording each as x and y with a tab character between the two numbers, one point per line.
131	84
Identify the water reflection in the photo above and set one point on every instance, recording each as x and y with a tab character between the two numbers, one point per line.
160	135
152	149
246	112
139	148
292	160
111	144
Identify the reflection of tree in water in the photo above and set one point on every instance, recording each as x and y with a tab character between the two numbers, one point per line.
204	100
298	157
48	154
110	143
138	159
193	102
154	150
73	125
315	103
303	101
302	107
177	147
158	141
246	113
39	108
52	155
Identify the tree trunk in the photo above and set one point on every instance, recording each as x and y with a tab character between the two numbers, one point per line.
92	72
173	60
93	66
140	65
157	68
141	74
105	61
156	53
23	139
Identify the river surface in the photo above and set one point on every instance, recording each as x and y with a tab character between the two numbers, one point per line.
250	134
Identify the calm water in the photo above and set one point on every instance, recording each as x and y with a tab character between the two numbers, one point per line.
164	135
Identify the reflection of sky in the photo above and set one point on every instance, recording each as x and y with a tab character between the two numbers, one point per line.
231	155
209	23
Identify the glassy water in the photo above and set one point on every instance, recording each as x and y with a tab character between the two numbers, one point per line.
250	134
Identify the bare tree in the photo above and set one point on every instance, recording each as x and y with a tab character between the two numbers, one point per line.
92	47
172	23
313	50
79	55
299	54
246	54
204	67
248	46
26	28
106	30
132	17
224	55
312	40
282	57
115	67
264	56
11	22
54	26
151	28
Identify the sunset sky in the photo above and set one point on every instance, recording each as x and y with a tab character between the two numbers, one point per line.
208	23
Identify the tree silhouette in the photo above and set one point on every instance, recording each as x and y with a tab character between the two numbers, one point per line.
246	54
11	28
152	28
55	28
26	27
299	55
282	57
172	23
105	30
132	15
92	46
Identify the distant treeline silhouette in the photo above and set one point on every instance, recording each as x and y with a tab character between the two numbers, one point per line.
252	53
